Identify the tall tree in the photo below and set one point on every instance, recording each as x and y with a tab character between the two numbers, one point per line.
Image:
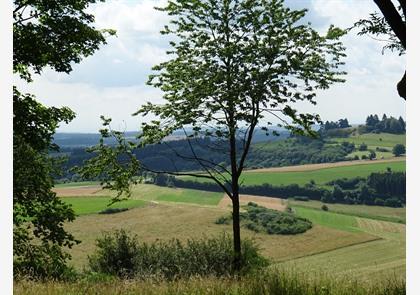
391	25
55	34
232	63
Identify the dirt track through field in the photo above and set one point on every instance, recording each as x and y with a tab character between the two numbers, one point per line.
272	203
312	167
77	191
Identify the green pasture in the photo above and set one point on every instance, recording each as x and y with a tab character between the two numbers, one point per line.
329	219
373	140
372	212
320	176
192	196
150	192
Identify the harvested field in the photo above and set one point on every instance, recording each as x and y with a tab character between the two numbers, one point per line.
368	260
88	190
312	167
383	229
272	203
163	222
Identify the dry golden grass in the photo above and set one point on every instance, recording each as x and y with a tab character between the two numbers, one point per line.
383	229
161	221
88	190
272	203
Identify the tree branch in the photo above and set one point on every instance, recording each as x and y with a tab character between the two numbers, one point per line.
393	18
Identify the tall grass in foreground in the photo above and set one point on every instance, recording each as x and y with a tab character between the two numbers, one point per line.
265	283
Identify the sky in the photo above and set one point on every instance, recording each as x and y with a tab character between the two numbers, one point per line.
112	81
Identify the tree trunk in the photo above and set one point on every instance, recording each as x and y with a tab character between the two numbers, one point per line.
236	229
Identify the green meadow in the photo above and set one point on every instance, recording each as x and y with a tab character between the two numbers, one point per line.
329	219
374	140
320	176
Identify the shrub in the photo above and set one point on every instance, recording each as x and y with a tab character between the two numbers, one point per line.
274	222
379	149
252	204
398	150
363	147
392	202
379	202
43	262
223	220
113	210
116	254
324	207
122	255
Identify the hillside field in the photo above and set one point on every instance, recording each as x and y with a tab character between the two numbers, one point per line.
373	140
382	213
360	247
319	175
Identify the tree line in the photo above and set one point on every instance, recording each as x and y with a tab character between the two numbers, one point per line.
386	125
382	189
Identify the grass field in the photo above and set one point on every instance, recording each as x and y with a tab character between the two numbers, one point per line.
166	221
379	155
269	282
366	260
373	259
320	176
348	240
143	192
90	205
372	212
329	219
373	140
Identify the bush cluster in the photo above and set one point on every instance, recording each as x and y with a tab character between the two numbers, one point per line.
261	219
122	255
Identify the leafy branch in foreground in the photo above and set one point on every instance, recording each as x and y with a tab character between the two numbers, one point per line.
56	34
115	165
389	28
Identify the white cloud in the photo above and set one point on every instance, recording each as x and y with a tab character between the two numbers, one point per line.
111	82
130	16
90	102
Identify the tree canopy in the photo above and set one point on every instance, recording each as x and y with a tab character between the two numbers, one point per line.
391	25
55	34
231	64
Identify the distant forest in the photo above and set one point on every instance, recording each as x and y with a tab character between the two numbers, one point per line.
284	150
173	155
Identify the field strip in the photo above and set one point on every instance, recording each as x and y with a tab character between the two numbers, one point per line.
384	229
313	167
77	191
268	202
390	219
363	259
375	239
